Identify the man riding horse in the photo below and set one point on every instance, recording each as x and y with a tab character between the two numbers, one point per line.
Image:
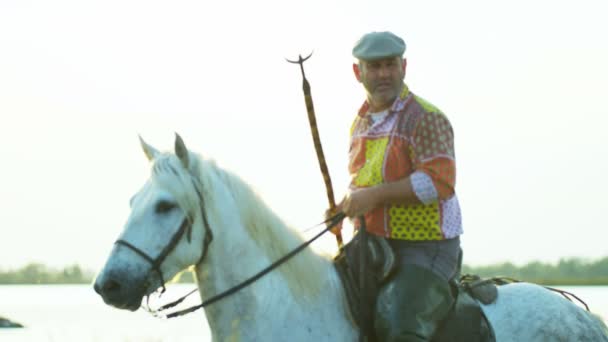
403	174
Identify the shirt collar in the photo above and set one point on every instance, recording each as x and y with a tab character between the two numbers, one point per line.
397	106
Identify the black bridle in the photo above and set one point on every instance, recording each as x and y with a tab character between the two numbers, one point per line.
185	227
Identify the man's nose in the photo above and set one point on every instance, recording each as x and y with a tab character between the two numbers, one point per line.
384	72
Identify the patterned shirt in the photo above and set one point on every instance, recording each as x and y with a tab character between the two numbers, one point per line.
414	139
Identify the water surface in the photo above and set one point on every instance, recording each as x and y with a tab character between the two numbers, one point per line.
77	313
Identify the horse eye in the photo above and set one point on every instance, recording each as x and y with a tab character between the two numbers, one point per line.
163	207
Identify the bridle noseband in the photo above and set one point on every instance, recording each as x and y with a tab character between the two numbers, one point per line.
186	226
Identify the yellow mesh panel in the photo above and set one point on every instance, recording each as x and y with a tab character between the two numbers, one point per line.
418	222
371	173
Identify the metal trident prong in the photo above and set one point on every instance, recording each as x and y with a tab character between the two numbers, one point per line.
301	62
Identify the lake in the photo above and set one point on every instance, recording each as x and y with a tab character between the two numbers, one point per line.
76	313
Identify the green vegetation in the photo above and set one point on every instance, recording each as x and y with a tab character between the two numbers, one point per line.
41	274
571	271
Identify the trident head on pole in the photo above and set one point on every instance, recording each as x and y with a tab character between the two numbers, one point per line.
301	62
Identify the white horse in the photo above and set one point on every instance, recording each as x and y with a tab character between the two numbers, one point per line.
188	199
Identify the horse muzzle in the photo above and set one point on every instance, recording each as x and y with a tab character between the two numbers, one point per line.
120	293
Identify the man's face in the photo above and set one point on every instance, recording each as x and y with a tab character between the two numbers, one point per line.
382	80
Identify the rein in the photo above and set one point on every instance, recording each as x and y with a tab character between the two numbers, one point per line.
564	293
331	222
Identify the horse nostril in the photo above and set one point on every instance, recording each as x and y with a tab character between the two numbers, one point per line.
110	286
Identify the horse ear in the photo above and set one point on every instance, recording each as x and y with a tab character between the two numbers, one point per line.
181	151
150	151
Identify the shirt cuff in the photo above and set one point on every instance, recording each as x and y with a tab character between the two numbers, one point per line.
423	187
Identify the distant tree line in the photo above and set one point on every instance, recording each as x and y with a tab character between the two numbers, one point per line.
40	274
37	273
570	271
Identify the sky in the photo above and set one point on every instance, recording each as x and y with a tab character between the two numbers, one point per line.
523	83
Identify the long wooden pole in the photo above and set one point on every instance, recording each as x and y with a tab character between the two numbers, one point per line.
317	141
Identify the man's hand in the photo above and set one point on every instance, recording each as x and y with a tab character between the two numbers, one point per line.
338	227
359	202
355	203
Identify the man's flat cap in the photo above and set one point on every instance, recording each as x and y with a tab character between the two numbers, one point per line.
378	45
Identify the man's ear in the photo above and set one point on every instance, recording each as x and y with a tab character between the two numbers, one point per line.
404	65
357	71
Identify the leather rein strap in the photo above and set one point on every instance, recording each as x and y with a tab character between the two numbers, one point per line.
366	305
331	222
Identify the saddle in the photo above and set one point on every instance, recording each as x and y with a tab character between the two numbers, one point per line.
465	321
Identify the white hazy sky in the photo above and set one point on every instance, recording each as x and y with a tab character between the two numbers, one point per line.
523	82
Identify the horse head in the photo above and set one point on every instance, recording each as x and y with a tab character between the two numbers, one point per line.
163	234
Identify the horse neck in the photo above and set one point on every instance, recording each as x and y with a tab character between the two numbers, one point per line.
307	283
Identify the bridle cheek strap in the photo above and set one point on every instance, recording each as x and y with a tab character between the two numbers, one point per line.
185	226
208	232
155	263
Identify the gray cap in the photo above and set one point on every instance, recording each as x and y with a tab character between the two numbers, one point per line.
378	45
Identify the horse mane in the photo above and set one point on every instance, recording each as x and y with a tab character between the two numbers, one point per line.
303	273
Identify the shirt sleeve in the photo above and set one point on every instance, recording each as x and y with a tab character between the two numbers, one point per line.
433	155
423	187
